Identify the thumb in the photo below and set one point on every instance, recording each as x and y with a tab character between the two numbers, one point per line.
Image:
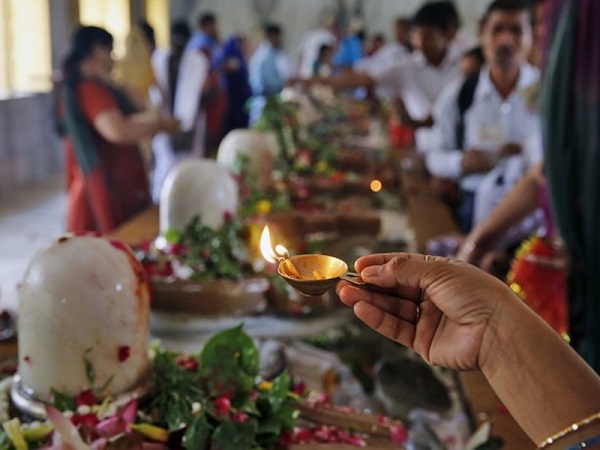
407	270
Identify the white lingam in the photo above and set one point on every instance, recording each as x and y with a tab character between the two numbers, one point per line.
83	320
197	187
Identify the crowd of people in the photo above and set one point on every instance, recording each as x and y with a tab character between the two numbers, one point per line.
501	121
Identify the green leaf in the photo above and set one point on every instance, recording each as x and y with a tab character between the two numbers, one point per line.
248	406
90	373
4	441
172	235
197	436
63	402
234	436
229	362
278	394
174	390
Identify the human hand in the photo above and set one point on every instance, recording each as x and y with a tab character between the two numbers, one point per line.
510	149
301	82
478	161
169	124
443	309
469	251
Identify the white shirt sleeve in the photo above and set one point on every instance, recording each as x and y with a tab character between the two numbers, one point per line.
193	72
442	157
388	74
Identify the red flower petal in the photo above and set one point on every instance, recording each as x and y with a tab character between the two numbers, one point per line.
86	398
124	353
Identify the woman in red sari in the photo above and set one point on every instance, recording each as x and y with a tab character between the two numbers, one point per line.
106	176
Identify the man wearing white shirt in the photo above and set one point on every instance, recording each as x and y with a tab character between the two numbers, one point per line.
419	77
180	76
489	146
310	44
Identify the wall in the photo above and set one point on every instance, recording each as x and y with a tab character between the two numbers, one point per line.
30	150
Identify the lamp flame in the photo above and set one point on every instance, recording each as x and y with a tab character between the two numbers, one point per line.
273	256
376	185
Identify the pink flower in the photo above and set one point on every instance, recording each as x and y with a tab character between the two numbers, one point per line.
253	395
299	388
240	417
89	420
398	434
120	245
227	216
187	362
222	405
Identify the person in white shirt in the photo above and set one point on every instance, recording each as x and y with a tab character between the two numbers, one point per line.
395	50
490	144
310	44
419	78
180	76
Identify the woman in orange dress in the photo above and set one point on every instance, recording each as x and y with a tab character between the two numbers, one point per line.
106	176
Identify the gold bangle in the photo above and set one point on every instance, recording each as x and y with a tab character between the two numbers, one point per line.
570	429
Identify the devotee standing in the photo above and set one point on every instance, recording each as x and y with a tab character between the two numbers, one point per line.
180	76
485	134
214	97
235	73
350	50
107	180
311	44
270	69
397	48
417	79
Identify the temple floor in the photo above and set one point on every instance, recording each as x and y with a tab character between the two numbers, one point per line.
28	221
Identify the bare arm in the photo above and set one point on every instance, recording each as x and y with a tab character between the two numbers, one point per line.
343	80
468	320
518	203
120	129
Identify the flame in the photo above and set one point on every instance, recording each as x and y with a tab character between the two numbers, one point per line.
266	249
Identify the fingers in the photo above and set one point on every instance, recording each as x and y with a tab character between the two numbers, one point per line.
407	270
387	324
381	258
402	308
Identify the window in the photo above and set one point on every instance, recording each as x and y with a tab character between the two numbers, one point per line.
25	63
113	15
157	15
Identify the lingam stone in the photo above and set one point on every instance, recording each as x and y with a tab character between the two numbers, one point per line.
260	148
83	320
197	187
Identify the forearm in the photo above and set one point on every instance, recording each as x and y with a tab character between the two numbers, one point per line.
545	385
444	163
521	201
348	80
118	129
140	126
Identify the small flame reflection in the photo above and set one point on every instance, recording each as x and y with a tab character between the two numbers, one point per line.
376	185
267	251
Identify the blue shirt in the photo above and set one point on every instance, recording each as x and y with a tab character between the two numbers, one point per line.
350	51
202	41
269	70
